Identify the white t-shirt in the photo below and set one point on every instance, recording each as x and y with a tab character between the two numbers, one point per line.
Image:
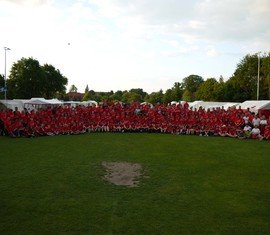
246	119
256	121
263	122
255	131
247	128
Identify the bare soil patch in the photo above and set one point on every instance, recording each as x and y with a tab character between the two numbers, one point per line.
123	173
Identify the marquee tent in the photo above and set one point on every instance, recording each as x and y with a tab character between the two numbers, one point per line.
89	103
211	105
257	106
12	104
36	103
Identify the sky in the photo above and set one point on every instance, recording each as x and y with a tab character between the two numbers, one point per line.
124	44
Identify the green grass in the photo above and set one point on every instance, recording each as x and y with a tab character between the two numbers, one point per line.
196	185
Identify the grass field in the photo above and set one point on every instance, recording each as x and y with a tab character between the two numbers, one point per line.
195	185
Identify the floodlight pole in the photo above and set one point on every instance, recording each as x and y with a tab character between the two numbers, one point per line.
258	79
5	88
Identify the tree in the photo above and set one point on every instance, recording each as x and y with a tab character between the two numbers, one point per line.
265	77
187	96
86	90
168	96
190	85
73	88
221	79
86	95
140	92
2	80
207	90
55	82
129	97
177	91
243	83
2	85
27	79
155	97
117	95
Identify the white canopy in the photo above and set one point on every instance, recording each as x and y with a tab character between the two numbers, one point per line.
174	103
255	105
211	105
12	104
90	103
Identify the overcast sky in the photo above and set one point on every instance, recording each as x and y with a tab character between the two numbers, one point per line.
124	44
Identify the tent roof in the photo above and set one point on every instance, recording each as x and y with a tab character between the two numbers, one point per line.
206	105
40	101
11	104
255	105
90	102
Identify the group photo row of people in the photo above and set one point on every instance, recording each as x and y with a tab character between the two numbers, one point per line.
135	117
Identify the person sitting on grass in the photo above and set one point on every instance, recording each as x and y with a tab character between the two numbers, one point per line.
247	131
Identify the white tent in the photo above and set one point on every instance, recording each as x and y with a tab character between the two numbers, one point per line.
54	101
72	103
255	105
211	105
89	103
36	103
230	105
195	104
174	103
12	104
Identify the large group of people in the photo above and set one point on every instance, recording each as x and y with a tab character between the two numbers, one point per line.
135	117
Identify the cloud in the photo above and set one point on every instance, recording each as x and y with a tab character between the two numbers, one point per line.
132	42
209	20
28	2
212	52
230	20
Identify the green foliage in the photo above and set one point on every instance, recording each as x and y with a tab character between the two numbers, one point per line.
86	90
129	97
29	79
177	92
55	82
190	85
2	84
117	96
244	80
207	91
73	88
140	92
168	96
2	80
86	96
265	77
155	97
187	96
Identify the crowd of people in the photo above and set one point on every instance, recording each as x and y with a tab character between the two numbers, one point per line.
118	117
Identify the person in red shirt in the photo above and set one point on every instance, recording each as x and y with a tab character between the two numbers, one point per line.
266	134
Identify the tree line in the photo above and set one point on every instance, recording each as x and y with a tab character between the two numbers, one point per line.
30	79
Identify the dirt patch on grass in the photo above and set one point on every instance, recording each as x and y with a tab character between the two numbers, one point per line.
123	173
